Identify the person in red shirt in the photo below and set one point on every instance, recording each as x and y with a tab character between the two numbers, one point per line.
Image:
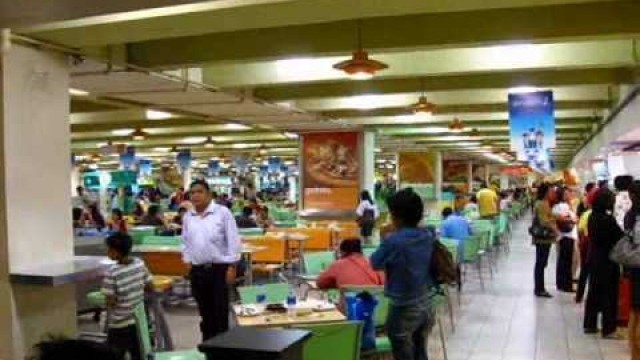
353	268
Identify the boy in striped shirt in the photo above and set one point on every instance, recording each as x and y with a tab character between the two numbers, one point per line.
124	287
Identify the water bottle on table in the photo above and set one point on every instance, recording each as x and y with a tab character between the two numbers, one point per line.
291	302
261	296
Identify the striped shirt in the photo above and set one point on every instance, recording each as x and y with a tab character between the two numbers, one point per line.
126	282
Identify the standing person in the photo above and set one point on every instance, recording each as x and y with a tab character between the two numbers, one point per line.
565	222
83	197
96	217
488	202
604	277
544	217
367	212
212	246
583	247
405	256
124	286
246	220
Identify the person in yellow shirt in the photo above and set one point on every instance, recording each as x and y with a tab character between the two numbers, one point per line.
583	245
488	202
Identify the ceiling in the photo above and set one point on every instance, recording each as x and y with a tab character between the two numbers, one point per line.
268	65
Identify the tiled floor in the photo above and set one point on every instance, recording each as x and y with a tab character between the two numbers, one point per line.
502	322
505	321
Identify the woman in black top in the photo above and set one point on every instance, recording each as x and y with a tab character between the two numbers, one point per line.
602	296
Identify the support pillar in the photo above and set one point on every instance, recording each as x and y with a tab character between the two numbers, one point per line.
368	162
35	204
470	176
438	177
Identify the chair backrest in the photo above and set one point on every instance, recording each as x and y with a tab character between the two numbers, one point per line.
142	327
317	262
251	231
276	293
451	245
382	309
471	247
368	251
274	252
337	341
161	240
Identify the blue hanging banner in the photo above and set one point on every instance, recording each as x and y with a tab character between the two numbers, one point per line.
533	130
214	168
184	159
144	167
128	158
264	170
242	163
275	164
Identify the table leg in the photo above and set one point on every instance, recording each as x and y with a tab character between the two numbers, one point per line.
249	270
300	257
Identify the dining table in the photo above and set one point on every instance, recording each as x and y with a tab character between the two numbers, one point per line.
284	319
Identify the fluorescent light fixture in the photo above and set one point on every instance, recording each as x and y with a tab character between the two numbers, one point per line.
516	55
285	104
523	89
296	67
192	140
122	132
290	135
162	149
364	102
377	150
78	92
467	143
495	157
157	115
233	126
244	146
93	166
101	144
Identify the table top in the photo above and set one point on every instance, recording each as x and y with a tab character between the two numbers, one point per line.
246	249
271	319
256	340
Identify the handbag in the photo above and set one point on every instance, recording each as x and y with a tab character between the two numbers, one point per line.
443	268
539	231
626	251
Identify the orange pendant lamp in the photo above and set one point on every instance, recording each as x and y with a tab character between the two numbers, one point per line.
423	106
138	134
456	125
360	66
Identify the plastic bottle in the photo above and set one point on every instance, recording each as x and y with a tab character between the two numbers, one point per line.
291	303
261	296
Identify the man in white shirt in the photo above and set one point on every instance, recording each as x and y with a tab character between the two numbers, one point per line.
212	247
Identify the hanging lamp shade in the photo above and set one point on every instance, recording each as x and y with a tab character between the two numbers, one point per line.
360	66
209	143
423	106
456	125
262	150
139	134
174	150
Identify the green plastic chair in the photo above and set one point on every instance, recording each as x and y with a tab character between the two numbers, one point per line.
452	246
317	262
368	251
276	293
146	349
251	231
161	240
472	254
339	341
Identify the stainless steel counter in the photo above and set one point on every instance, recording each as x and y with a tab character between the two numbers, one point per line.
81	268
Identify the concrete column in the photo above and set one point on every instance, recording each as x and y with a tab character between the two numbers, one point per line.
75	179
35	204
470	175
367	177
438	175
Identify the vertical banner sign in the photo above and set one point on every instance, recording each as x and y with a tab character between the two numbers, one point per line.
242	163
331	169
214	168
184	159
274	164
144	167
533	130
128	158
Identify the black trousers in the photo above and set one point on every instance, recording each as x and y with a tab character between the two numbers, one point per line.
125	340
542	258
564	277
210	290
602	297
